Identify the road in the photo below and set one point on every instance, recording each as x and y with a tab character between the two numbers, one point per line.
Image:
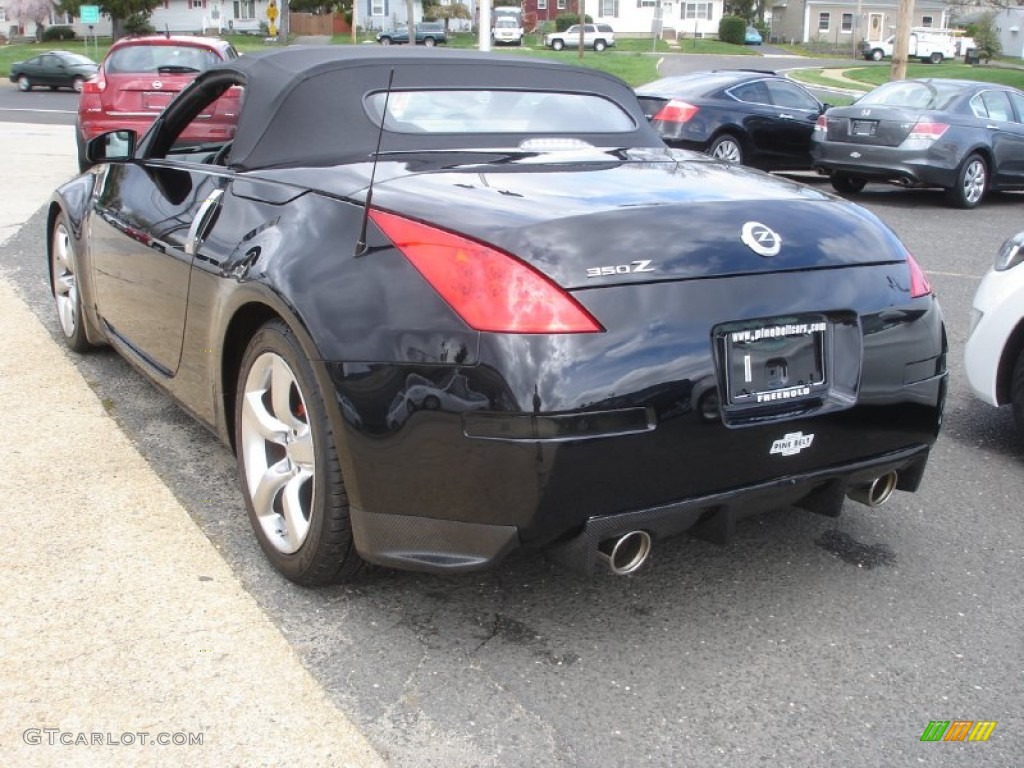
807	642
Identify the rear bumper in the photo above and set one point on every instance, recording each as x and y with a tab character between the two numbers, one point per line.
919	168
446	546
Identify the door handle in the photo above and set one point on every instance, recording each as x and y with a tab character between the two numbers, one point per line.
785	116
197	231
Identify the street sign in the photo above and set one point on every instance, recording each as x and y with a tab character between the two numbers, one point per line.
90	14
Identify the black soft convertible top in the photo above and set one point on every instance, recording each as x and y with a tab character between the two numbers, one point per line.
305	105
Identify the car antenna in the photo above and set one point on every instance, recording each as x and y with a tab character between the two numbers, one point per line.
361	242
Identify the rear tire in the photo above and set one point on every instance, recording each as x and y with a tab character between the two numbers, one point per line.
428	42
727	147
599	45
1017	394
847	185
77	83
288	463
971	183
935	58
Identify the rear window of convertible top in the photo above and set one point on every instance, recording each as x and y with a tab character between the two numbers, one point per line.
497	111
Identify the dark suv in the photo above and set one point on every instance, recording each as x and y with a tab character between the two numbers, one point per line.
139	76
429	33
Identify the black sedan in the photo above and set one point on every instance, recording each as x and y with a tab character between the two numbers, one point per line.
444	305
742	116
963	136
54	69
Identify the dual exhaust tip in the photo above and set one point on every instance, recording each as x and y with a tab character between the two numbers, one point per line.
625	554
875	493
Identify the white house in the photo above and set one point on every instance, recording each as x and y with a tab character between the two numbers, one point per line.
635	18
1009	25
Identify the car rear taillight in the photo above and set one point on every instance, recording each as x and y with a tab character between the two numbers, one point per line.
95	85
926	131
821	126
490	290
676	112
919	285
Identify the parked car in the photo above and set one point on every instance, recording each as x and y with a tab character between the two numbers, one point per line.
138	78
755	118
994	354
508	30
289	292
596	36
963	136
53	69
752	36
428	33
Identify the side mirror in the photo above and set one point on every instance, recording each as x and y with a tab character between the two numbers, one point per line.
110	146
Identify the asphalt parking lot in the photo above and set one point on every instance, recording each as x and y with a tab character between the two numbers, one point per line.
808	642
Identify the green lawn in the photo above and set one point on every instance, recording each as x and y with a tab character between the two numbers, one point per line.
871	76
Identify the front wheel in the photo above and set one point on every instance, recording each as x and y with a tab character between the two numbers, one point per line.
876	54
24	84
557	45
429	42
727	148
847	185
288	463
971	183
65	287
385	41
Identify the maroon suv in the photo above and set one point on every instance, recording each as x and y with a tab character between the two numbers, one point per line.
138	78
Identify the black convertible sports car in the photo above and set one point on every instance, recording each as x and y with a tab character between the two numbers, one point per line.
624	341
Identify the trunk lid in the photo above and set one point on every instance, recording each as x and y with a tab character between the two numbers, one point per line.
588	225
873	126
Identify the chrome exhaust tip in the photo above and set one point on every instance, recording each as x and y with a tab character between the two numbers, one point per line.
626	553
876	493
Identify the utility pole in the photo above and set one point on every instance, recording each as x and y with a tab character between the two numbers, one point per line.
583	21
901	45
355	21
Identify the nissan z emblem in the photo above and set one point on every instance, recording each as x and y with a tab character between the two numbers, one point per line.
762	240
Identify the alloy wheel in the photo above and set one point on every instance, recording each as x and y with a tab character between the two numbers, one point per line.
65	282
279	456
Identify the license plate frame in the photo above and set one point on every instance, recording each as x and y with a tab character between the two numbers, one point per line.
864	127
776	361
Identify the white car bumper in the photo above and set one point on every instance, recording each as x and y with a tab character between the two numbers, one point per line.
998	310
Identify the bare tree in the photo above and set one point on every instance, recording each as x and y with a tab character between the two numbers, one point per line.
38	11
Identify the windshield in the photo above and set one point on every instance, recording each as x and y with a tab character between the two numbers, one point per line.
496	111
916	94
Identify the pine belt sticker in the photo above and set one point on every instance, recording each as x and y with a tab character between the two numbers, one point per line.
791	444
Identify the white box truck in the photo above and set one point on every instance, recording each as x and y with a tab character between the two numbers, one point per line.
928	45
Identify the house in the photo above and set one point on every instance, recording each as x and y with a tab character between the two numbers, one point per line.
1009	25
848	21
636	18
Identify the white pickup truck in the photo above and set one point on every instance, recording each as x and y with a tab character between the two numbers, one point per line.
928	46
